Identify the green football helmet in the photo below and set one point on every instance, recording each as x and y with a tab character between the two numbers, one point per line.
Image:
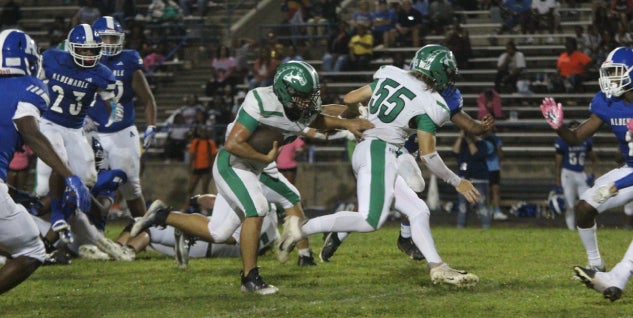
296	85
437	63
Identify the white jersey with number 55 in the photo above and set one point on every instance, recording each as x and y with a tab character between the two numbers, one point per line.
397	98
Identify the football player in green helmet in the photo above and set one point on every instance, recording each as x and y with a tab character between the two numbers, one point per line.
437	64
297	87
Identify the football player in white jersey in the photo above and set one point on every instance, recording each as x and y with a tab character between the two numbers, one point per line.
24	97
400	102
292	104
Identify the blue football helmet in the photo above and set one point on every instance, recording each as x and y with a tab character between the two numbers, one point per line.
615	72
556	202
19	54
84	45
111	34
99	154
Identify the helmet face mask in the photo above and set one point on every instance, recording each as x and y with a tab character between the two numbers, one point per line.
615	72
84	45
19	54
99	154
296	85
112	35
438	64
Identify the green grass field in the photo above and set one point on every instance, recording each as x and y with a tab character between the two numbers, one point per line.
524	272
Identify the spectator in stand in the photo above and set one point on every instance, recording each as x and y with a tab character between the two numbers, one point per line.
203	150
176	139
440	15
493	161
11	15
623	37
362	16
489	103
58	31
321	13
383	22
164	11
286	160
187	6
588	42
222	71
544	15
471	152
263	68
328	97
360	49
620	13
457	40
244	46
572	66
516	12
88	13
337	49
18	173
510	66
153	57
409	25
423	7
135	38
607	44
291	55
600	16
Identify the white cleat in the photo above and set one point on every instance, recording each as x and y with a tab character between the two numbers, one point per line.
149	219
444	274
115	250
92	252
289	237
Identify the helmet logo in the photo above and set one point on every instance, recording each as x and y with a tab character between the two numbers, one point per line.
295	78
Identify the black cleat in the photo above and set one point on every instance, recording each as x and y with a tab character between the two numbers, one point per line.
57	257
612	293
330	245
407	246
306	260
253	283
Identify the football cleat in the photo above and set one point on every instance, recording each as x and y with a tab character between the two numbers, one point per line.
407	246
289	238
306	260
598	281
181	249
92	252
156	215
253	283
115	250
57	257
444	274
63	230
331	243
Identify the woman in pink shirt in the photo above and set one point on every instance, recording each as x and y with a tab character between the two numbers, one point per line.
19	168
489	102
286	161
222	70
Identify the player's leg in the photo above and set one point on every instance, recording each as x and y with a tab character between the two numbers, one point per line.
410	171
571	194
587	210
628	216
611	283
123	151
19	237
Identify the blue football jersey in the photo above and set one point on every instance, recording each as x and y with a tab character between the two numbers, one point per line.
73	88
15	89
573	156
615	112
123	66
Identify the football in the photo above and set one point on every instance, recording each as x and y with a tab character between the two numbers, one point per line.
263	137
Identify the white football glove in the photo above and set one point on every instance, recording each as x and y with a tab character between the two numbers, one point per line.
603	193
149	137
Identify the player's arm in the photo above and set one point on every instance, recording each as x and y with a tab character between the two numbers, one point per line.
354	98
594	161
237	144
355	125
144	93
463	121
579	134
29	129
558	166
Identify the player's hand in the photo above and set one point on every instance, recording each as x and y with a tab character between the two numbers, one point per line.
358	125
604	192
77	193
552	112
149	137
467	189
488	122
273	153
116	115
591	179
629	125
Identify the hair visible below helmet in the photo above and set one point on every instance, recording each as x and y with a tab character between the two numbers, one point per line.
615	72
437	63
81	38
99	154
296	85
556	202
111	34
19	55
